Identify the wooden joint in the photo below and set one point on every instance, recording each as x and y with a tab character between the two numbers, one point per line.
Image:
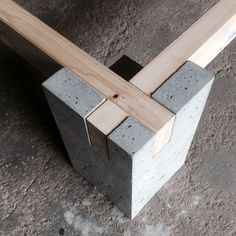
199	44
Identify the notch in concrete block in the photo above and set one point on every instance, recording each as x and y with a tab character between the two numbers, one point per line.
127	69
185	94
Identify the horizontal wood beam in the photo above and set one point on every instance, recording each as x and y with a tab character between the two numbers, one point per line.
201	43
125	96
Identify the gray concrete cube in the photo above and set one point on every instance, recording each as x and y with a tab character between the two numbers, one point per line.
134	173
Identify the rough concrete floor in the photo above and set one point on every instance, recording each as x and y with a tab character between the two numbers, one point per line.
40	194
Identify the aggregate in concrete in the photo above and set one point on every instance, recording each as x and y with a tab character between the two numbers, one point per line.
40	194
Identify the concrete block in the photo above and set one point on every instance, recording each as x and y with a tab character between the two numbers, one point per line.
134	172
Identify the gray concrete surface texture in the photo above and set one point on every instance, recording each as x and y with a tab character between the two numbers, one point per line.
134	172
42	195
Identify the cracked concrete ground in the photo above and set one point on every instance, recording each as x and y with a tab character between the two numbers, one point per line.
40	194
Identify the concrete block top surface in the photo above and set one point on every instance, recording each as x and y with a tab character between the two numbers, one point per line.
131	135
182	86
74	92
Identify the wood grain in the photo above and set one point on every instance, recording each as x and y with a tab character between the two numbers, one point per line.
125	96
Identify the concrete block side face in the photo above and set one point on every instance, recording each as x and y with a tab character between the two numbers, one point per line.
166	163
150	174
182	86
129	139
68	122
112	178
122	165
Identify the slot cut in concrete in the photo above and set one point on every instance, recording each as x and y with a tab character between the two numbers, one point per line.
127	69
134	172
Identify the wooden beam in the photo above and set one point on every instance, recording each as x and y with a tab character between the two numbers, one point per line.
125	96
205	39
